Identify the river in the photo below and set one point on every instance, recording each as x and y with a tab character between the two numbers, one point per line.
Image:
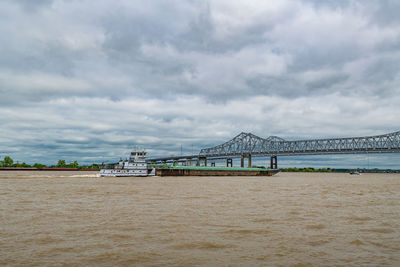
290	219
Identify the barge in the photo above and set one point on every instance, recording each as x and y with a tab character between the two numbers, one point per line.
213	171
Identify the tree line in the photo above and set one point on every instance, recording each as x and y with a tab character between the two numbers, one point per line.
308	169
9	162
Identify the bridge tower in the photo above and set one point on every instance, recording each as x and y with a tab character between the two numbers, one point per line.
199	159
274	162
245	156
229	162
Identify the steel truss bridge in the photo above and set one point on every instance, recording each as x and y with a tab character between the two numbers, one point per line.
248	145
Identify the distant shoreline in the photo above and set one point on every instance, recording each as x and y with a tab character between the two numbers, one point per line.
309	169
339	170
43	169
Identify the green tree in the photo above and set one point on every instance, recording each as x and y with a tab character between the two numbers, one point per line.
74	164
38	165
7	162
61	164
94	166
23	164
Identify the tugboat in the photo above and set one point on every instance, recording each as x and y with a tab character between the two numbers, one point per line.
135	166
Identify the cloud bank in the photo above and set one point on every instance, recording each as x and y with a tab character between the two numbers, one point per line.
89	80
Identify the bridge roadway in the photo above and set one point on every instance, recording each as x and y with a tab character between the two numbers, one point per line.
247	145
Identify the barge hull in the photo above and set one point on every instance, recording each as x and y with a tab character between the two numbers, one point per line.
199	172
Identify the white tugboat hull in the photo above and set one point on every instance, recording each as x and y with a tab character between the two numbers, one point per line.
135	166
125	173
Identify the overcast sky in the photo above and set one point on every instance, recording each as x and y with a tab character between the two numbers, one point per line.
88	80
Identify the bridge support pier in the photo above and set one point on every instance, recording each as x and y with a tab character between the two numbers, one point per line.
248	157
229	162
199	161
274	162
188	161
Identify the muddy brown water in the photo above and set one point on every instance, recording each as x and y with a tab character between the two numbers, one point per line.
290	219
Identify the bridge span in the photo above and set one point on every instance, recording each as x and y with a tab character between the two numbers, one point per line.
248	145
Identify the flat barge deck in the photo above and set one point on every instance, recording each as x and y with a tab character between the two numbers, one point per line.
214	171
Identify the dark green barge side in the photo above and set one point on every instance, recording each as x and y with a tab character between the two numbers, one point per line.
214	171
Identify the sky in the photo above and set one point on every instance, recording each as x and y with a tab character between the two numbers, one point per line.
91	80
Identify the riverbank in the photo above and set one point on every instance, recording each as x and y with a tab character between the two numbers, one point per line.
44	169
339	170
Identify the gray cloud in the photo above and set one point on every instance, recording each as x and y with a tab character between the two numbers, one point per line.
30	6
79	79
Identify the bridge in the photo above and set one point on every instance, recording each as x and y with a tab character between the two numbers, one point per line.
248	145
